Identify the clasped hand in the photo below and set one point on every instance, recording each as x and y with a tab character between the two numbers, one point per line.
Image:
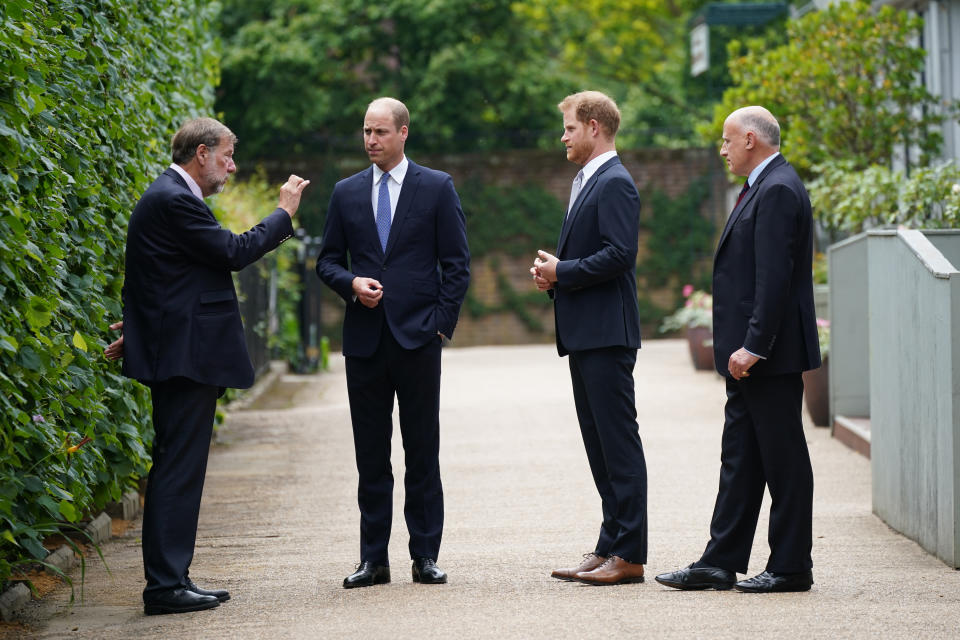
368	291
544	270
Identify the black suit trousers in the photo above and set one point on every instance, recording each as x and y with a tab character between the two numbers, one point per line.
413	377
603	391
763	444
183	413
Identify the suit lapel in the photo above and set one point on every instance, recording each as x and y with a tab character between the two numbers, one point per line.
581	198
178	179
365	192
407	193
747	199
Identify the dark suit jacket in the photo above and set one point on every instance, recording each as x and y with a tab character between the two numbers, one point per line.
424	271
180	312
595	296
762	277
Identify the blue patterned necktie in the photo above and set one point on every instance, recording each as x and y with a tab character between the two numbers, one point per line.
383	211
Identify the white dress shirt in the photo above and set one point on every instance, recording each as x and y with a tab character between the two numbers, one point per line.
191	183
591	167
397	174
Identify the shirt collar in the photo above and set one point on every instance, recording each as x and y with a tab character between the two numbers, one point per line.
397	173
191	183
591	167
757	170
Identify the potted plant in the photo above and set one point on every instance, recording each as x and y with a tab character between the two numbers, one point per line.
816	383
696	318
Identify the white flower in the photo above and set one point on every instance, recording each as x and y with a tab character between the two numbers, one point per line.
956	188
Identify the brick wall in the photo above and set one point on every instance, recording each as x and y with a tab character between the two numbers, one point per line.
667	170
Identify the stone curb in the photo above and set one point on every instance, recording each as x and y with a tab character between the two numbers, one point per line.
127	508
16	597
63	558
12	600
99	528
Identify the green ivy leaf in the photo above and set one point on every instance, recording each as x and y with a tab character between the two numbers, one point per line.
79	342
68	511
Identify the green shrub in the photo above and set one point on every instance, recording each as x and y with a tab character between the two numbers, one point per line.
851	201
241	206
90	92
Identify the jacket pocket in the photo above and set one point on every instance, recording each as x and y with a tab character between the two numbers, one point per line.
216	302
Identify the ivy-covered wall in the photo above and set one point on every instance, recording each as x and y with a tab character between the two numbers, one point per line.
90	93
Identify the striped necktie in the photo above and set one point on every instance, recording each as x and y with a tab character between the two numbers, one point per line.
743	192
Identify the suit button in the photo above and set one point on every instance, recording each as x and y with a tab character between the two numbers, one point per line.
383	268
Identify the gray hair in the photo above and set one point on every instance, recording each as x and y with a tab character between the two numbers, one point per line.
193	133
763	124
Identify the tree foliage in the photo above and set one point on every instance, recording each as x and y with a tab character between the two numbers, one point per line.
90	92
298	75
844	87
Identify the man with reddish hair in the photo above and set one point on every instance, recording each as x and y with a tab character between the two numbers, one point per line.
594	290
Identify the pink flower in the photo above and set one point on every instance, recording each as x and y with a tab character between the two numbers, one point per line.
821	322
687	290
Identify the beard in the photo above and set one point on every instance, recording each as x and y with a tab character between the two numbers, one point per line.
214	182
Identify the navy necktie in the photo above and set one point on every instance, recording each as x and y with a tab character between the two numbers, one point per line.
383	211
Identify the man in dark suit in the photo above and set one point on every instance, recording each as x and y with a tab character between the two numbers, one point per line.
183	338
764	336
404	232
594	291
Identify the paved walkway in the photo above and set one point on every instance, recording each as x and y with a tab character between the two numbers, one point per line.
279	525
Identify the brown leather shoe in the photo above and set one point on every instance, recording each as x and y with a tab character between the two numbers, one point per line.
590	562
615	570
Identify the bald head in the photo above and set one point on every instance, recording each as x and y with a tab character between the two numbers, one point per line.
750	136
761	122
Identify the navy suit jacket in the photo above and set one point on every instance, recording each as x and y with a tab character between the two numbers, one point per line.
424	271
180	312
595	296
762	277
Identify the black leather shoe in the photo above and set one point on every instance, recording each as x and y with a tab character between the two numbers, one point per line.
219	594
426	571
770	582
178	601
698	578
367	575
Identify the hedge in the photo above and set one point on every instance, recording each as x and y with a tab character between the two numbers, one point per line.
90	93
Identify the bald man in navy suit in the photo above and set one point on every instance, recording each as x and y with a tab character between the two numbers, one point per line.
395	249
764	337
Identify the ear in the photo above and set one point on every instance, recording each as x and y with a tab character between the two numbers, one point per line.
594	128
751	140
403	132
201	154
